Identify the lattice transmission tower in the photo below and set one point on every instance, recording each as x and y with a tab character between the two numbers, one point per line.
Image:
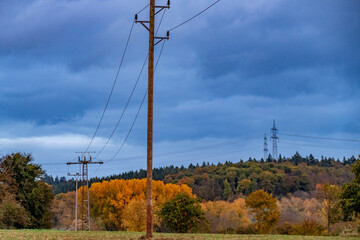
266	151
275	140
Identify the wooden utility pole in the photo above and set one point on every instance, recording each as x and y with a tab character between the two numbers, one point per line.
76	175
150	26
149	223
85	215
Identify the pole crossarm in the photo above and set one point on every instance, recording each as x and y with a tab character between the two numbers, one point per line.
142	23
74	175
160	39
161	8
85	162
71	163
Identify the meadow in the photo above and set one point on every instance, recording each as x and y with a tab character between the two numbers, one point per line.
67	235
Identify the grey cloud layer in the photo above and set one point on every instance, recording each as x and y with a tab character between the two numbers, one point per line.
226	74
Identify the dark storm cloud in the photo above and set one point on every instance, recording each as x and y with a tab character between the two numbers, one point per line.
58	58
79	34
295	36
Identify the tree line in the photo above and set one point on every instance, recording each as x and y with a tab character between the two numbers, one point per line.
227	181
321	199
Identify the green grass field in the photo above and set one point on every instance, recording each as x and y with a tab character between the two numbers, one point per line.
52	234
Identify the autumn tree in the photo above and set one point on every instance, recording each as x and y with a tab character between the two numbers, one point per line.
244	186
329	196
296	212
63	210
264	210
182	214
134	217
109	199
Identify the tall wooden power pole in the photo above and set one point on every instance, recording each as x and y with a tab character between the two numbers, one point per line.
149	223
150	26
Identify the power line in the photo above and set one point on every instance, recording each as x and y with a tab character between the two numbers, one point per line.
209	155
124	110
157	62
177	26
137	114
319	146
143	9
196	149
161	19
184	153
222	153
323	138
113	86
132	126
131	94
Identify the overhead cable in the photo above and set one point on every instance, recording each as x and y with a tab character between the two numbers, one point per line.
137	114
323	138
195	149
131	94
126	106
179	25
113	86
143	9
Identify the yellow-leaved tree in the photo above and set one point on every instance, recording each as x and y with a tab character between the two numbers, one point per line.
264	210
120	204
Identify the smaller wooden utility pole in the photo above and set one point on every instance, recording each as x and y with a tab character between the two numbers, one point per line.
76	175
85	215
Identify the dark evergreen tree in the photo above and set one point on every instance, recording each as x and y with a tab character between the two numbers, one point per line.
19	173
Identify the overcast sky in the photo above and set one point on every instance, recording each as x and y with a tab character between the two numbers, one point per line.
220	82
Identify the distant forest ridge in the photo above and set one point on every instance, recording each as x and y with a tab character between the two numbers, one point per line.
295	175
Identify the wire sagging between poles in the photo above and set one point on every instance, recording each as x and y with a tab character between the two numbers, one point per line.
113	86
137	114
177	26
130	97
323	138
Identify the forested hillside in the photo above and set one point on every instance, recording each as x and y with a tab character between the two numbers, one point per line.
296	175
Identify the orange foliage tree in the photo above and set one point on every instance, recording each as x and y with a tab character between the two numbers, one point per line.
118	202
263	208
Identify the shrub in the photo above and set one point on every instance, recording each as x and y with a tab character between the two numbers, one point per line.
309	228
182	214
285	228
12	214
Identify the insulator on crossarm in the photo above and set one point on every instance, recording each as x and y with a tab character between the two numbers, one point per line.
168	34
168	2
136	17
